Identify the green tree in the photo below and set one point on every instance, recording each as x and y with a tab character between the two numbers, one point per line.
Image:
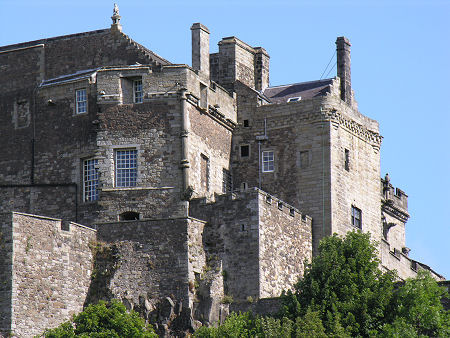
344	294
417	305
345	286
103	320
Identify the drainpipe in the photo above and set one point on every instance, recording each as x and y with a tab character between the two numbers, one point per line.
184	164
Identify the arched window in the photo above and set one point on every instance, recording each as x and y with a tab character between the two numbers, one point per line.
129	216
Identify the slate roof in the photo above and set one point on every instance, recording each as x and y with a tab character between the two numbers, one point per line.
306	90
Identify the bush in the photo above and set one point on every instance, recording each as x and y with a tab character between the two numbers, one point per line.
103	320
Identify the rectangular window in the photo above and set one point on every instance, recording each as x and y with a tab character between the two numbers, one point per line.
245	150
90	180
226	181
126	167
347	160
204	172
356	217
268	162
138	94
304	159
81	101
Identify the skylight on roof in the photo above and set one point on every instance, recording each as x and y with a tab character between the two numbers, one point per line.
294	99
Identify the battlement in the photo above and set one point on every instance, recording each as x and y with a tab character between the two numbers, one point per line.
221	200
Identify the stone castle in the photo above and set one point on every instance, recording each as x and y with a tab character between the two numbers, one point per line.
176	188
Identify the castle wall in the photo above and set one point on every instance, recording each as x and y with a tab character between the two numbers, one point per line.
153	129
232	235
298	134
153	259
357	183
209	142
285	239
6	270
52	272
256	240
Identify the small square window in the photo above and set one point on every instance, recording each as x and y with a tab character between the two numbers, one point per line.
138	94
126	167
246	124
245	150
268	162
81	101
356	217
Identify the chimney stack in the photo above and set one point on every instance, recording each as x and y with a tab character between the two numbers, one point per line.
344	68
200	50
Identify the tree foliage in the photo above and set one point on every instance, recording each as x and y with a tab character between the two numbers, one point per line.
345	286
103	320
344	294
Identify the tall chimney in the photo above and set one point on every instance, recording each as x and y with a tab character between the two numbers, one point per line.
200	50
344	68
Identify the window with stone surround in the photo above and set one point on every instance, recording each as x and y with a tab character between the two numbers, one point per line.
356	217
81	101
125	167
227	182
304	159
204	172
347	159
90	180
138	94
268	161
245	150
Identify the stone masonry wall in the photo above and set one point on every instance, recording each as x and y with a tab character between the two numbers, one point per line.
285	237
152	260
256	241
6	268
52	272
153	129
212	140
298	134
355	186
232	234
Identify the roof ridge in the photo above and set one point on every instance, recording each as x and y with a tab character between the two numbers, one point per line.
68	36
300	83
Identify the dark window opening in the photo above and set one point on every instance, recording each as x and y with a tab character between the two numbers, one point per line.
304	159
227	181
204	172
245	151
280	205
129	216
246	124
347	160
356	217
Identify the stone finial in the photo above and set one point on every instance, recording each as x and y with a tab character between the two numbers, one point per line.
116	26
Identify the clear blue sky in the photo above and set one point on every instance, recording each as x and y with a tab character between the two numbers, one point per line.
400	72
